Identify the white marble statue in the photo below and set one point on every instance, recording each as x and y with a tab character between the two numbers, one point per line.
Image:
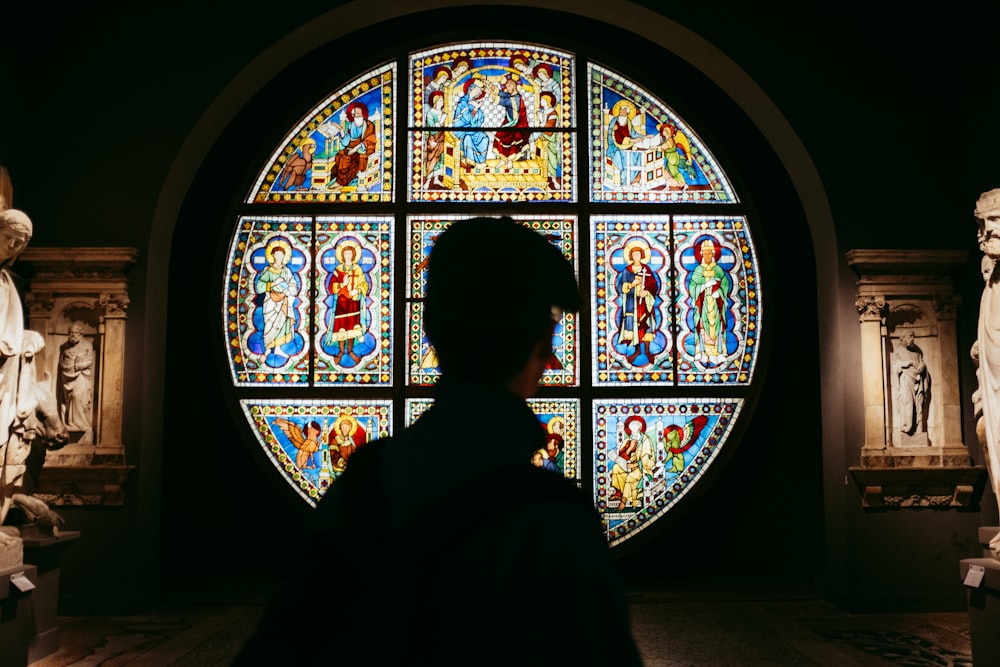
987	346
29	415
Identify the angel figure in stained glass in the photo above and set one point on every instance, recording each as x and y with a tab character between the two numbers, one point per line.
305	440
676	156
548	117
434	158
678	439
708	287
348	320
639	321
277	286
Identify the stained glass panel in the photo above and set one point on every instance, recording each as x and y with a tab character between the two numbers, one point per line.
643	152
423	231
514	106
341	151
269	272
650	452
310	441
559	417
630	300
354	301
718	300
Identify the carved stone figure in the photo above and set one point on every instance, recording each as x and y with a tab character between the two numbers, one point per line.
987	346
28	413
76	386
910	385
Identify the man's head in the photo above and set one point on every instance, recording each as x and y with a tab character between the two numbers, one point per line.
15	232
75	332
495	290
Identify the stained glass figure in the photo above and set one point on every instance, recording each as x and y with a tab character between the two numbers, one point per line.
310	441
718	300
512	114
648	453
341	151
354	301
423	231
266	298
560	418
632	283
643	152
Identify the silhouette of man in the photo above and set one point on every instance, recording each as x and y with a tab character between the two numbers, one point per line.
437	552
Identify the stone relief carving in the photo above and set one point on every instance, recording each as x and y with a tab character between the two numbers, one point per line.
986	349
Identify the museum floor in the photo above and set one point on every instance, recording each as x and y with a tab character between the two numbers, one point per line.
672	630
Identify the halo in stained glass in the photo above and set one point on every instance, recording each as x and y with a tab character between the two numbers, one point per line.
648	453
310	441
342	151
642	151
562	369
718	300
491	122
268	278
353	304
559	417
630	313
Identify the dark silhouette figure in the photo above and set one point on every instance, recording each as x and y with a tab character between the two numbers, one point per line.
438	545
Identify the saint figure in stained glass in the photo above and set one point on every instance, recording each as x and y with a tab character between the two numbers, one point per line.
634	461
474	145
555	445
620	137
276	317
356	136
345	438
348	320
511	144
708	288
640	336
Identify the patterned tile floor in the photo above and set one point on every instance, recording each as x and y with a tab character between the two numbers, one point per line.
670	633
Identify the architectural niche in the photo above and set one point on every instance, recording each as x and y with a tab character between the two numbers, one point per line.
77	298
913	454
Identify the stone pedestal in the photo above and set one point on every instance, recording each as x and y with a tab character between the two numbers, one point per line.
984	603
45	553
17	626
